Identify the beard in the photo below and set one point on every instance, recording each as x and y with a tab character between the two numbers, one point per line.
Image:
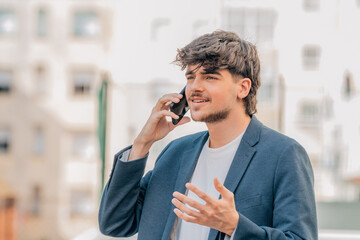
214	117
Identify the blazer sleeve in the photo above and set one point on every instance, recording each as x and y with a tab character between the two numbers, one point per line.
123	196
294	209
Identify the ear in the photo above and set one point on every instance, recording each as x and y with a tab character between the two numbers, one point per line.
244	85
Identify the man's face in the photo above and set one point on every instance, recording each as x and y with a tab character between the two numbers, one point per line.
211	95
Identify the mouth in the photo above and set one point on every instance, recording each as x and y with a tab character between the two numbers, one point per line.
198	101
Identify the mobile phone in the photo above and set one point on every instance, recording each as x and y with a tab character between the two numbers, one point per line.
179	108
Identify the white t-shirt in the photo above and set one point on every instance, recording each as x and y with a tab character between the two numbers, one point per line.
212	162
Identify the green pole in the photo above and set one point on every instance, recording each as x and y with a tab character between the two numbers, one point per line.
102	113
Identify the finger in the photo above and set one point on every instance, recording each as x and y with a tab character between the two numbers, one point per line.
165	100
183	216
191	202
225	193
166	105
184	120
184	208
165	113
207	198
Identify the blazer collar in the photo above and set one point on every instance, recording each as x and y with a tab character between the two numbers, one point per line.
243	155
252	133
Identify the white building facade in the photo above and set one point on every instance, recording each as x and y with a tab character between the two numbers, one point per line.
54	55
51	63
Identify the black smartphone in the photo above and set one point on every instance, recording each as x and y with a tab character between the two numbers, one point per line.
179	108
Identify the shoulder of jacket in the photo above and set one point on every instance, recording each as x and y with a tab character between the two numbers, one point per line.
271	136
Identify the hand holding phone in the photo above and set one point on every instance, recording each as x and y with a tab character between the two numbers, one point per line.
157	126
179	108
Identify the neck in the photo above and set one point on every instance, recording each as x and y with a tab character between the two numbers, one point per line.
223	132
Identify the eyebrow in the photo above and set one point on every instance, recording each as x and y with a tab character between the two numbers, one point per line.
211	71
203	72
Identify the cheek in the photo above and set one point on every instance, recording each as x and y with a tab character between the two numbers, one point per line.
230	96
187	92
234	92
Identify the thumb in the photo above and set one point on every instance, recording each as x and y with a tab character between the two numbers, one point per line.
225	193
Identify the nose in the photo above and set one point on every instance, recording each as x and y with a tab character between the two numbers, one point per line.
196	85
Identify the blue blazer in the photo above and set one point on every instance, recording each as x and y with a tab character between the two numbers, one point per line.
271	178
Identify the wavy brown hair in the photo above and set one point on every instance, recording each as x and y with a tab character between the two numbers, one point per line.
225	50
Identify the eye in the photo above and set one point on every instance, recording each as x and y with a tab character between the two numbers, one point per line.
209	77
189	78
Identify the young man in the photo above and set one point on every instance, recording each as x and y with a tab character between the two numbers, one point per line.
238	180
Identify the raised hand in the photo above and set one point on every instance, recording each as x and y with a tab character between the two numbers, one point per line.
219	214
156	127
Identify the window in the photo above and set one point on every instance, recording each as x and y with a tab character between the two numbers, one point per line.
4	140
39	142
349	86
42	23
86	24
81	203
311	5
157	28
82	82
310	113
35	201
5	81
40	82
7	22
311	57
252	24
83	145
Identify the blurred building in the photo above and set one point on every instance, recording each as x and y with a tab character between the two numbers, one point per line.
7	213
317	62
54	55
51	62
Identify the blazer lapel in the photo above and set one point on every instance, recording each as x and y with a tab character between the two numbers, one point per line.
242	159
187	167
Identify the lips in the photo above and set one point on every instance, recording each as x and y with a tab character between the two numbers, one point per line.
198	101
